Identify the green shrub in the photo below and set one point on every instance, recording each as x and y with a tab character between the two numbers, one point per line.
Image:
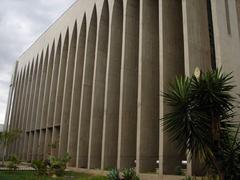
129	174
40	166
189	178
58	165
113	175
179	171
13	161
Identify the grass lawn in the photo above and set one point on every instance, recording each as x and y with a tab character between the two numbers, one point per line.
29	175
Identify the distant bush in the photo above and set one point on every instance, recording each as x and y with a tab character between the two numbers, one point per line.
40	166
13	162
57	166
126	174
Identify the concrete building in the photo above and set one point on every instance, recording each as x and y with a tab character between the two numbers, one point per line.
1	146
91	84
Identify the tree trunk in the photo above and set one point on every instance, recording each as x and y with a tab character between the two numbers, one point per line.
216	135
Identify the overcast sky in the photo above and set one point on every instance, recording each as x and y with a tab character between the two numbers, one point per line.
21	23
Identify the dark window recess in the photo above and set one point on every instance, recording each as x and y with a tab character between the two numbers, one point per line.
211	34
227	17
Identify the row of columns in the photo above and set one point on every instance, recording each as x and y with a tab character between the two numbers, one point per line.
95	93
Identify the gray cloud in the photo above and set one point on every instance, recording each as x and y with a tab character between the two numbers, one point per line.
21	23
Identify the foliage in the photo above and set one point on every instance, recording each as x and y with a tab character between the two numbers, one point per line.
179	171
200	122
29	175
6	138
13	162
40	166
231	155
189	178
58	165
129	174
113	175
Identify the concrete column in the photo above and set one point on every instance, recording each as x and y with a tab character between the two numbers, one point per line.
67	95
86	96
196	36
15	99
40	105
171	65
41	143
26	105
30	108
30	148
20	109
59	93
42	90
148	88
76	95
112	91
22	113
33	144
52	99
197	51
43	122
14	109
61	80
227	44
97	108
55	140
47	87
36	92
12	86
48	143
129	86
53	89
238	14
25	145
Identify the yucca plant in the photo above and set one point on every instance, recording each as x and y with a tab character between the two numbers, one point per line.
113	175
201	116
129	174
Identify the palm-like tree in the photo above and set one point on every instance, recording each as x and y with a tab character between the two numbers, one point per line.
201	118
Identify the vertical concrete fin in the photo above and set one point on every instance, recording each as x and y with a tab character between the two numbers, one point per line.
86	95
171	65
67	95
112	90
26	111
33	143
97	107
148	88
129	86
43	121
76	95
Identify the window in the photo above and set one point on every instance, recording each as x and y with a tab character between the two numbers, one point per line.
228	16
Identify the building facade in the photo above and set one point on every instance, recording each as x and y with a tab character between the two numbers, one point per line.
91	84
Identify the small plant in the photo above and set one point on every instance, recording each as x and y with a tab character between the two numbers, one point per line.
178	170
129	174
13	161
189	178
40	166
113	175
58	165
